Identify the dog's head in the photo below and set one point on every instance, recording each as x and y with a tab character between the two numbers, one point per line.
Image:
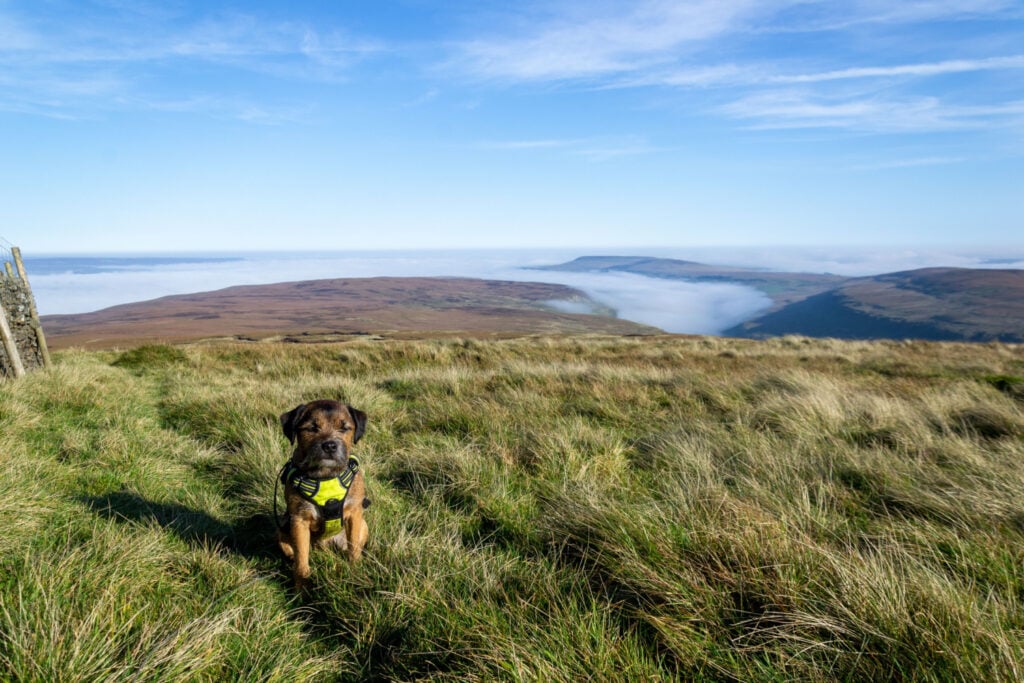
323	433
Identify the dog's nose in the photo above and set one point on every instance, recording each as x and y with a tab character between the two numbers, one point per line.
330	447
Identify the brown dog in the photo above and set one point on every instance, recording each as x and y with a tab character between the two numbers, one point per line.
323	487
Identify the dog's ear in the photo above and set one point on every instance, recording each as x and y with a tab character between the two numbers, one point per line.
359	417
290	420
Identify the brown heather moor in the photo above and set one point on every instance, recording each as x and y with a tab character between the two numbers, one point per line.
545	509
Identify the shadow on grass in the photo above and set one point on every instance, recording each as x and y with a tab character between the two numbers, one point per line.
251	537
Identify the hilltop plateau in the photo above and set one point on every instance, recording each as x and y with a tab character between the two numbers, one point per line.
321	310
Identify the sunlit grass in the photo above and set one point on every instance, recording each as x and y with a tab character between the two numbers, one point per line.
543	509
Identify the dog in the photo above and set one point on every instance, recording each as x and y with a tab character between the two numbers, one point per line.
324	490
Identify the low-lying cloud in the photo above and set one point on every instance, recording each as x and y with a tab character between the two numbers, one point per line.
852	261
672	305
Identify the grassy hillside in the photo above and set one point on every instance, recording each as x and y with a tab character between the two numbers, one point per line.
544	509
961	304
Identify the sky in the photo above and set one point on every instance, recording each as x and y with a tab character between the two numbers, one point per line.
136	126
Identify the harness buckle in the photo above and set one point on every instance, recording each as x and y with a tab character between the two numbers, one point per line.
333	508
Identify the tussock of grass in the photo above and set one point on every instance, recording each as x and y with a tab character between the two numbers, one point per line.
150	357
544	509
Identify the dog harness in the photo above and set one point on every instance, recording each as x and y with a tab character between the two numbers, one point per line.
328	495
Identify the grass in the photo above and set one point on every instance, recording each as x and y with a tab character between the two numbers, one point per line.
589	508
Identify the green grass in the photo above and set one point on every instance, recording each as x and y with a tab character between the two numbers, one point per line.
544	509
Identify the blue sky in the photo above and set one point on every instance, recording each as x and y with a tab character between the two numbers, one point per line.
128	125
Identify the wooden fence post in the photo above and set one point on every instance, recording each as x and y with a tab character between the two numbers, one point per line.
10	271
9	346
36	325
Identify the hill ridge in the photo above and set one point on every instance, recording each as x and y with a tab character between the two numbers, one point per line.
937	302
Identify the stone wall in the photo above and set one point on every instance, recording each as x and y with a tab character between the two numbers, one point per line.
14	297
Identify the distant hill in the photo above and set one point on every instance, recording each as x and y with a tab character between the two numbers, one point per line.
321	310
930	303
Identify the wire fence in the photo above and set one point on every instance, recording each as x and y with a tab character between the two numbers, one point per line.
5	251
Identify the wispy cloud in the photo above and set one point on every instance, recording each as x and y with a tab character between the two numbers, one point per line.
856	12
635	42
800	109
131	54
908	163
104	60
906	70
814	16
528	144
222	107
429	96
603	41
598	152
238	39
15	37
287	49
765	74
662	44
595	150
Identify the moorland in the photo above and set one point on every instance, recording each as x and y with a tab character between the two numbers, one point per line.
555	508
338	309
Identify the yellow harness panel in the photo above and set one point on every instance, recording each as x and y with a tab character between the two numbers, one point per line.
328	495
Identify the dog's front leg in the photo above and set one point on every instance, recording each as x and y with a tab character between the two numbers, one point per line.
284	541
300	542
357	532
